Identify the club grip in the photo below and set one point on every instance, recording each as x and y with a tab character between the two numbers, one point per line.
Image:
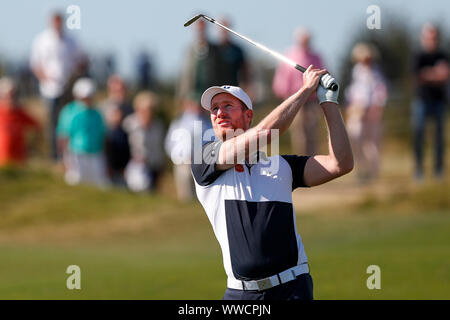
300	68
333	86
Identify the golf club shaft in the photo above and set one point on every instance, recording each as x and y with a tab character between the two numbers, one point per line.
277	55
262	47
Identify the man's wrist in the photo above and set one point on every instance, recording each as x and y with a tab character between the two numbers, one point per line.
306	91
329	104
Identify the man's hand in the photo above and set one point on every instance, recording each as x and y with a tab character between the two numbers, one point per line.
40	74
327	95
311	78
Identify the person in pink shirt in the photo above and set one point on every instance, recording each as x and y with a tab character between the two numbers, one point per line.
287	81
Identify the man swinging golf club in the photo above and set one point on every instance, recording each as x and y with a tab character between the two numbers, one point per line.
249	203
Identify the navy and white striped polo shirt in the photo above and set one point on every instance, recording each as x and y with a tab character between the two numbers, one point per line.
251	212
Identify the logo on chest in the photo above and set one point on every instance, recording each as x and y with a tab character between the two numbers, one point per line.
268	173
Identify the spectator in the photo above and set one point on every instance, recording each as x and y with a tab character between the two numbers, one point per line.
200	67
117	147
116	97
14	123
102	66
233	69
146	136
179	143
287	81
55	59
366	96
63	130
144	71
115	108
83	126
431	73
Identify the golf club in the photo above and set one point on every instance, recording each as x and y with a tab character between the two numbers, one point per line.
277	55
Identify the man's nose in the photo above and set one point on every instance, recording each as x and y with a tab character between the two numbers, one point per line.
221	113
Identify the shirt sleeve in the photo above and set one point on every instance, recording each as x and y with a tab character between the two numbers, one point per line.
417	64
77	54
297	164
35	56
206	173
101	124
62	127
319	61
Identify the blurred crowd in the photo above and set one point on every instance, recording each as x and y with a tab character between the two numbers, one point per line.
121	141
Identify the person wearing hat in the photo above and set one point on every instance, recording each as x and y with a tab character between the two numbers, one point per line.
247	195
81	135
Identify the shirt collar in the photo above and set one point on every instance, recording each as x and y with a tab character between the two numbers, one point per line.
255	158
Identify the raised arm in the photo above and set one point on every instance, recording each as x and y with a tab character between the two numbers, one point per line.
339	160
236	149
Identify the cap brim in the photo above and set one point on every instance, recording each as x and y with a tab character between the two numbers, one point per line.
207	96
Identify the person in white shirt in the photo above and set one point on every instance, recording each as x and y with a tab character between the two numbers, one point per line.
55	58
190	126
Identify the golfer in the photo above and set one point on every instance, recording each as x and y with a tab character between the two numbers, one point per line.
248	195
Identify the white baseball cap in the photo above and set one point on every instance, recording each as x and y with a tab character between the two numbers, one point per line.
83	88
209	94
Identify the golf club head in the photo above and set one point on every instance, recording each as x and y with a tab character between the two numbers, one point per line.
195	18
192	20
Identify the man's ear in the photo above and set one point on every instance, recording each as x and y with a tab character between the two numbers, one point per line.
249	116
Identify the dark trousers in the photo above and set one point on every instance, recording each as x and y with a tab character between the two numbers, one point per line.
53	107
423	109
299	289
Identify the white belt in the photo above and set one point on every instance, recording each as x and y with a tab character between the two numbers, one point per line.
269	282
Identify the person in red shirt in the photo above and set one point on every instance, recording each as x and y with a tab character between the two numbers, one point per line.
14	123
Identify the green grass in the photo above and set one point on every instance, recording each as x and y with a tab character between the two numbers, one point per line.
153	247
